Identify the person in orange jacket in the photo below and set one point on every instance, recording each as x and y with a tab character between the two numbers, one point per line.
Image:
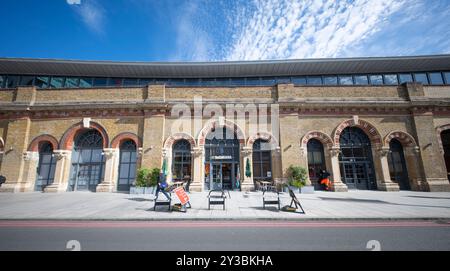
324	180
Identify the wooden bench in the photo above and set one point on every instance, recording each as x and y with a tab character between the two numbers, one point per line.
163	202
216	197
271	197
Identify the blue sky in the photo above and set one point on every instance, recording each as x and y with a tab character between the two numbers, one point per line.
215	30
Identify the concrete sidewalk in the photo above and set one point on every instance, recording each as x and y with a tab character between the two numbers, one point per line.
241	206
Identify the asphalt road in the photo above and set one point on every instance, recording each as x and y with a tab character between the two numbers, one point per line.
224	235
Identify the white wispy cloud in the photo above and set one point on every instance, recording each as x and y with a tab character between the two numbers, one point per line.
91	14
73	2
279	29
192	41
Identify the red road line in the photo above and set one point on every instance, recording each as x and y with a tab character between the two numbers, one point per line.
214	224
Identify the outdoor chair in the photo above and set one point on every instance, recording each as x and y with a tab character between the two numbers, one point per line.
216	197
163	201
271	197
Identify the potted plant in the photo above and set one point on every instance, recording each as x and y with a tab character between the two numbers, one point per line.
146	181
297	177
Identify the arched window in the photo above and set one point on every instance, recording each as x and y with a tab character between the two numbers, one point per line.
445	137
181	165
355	160
397	165
46	167
127	165
262	160
87	161
316	159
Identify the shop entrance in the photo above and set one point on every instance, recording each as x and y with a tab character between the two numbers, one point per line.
222	160
222	176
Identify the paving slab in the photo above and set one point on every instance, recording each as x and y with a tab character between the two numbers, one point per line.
241	206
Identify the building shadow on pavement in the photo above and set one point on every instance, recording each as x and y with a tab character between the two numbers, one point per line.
380	202
140	199
423	197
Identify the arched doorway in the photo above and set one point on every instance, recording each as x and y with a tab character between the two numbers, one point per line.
397	165
221	159
181	161
127	165
87	161
445	137
316	161
262	160
46	166
355	159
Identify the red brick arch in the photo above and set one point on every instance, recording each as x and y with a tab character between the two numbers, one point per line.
120	138
178	136
322	137
439	130
368	128
214	124
264	136
406	139
68	138
34	145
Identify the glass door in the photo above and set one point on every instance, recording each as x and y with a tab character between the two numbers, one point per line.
82	182
216	176
227	176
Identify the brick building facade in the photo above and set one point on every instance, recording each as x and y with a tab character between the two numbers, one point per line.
374	123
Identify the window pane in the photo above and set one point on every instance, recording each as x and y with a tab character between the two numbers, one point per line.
248	82
97	155
115	82
299	80
145	82
376	79
268	81
72	82
330	80
265	169
85	156
405	78
125	157
85	82
133	170
46	158
26	80
279	80
317	157
257	170
57	82
44	171
100	82
2	80
130	82
12	81
421	78
345	80
314	80
124	170
161	81
436	78
310	157
41	82
265	155
447	77
361	80
390	79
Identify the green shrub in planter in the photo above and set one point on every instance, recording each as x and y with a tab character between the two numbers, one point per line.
146	177
297	176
